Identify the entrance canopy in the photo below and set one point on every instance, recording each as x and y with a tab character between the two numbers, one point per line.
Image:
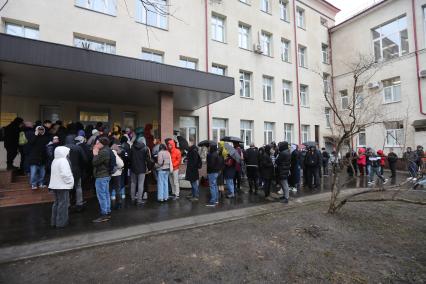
54	71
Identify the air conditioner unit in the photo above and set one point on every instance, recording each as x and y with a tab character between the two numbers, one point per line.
422	74
373	85
257	48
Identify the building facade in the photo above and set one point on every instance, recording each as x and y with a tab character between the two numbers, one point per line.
276	51
394	33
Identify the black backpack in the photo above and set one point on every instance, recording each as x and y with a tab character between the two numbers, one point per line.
112	162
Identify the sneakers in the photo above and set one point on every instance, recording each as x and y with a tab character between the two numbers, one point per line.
211	204
414	179
370	183
293	189
230	196
33	187
280	191
41	186
193	199
410	178
386	181
102	218
284	200
269	198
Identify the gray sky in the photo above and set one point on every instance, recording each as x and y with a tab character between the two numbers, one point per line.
350	7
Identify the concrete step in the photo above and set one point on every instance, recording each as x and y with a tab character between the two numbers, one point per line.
5	177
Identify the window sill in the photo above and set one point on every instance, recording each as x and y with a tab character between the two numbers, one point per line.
270	56
291	104
326	63
246	49
289	62
266	12
271	102
247	98
160	28
302	28
215	40
286	21
99	12
248	4
304	67
391	103
305	106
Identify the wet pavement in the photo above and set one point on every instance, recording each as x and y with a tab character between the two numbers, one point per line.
26	224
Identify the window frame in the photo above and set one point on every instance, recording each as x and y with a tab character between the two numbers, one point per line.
360	145
219	129
243	80
300	16
241	27
395	126
303	55
291	130
267	132
111	45
218	66
23	27
306	95
244	130
141	15
325	53
289	90
327	113
285	50
87	5
152	52
284	10
188	59
215	25
268	6
344	96
265	87
392	88
266	40
305	129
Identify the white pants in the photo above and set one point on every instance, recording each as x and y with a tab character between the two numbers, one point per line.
174	182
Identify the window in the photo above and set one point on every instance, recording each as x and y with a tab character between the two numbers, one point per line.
22	30
325	53
150	55
304	96
359	97
245	84
394	134
288	132
362	139
245	1
287	93
96	45
129	120
188	128
104	6
92	116
218	69
344	99
306	133
284	11
391	40
285	50
327	112
266	43
50	112
243	36
220	128
187	62
302	56
246	132
300	17
324	22
265	6
268	83
392	90
153	13
268	132
218	28
327	83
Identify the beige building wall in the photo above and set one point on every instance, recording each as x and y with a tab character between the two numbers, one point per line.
355	37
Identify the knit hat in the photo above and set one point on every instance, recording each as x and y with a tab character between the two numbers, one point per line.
79	139
104	141
94	131
81	133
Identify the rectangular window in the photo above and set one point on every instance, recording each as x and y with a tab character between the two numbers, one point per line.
344	99
96	45
284	11
152	13
266	43
151	55
304	96
246	132
187	62
218	69
288	132
22	30
327	112
287	92
362	139
245	84
243	36
265	6
395	136
302	56
92	116
390	40
268	132
359	97
327	83
306	133
325	54
285	50
392	90
220	128
188	128
268	87
300	17
103	6
218	28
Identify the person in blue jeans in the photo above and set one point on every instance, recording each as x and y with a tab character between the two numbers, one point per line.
229	172
214	167
101	171
164	167
38	157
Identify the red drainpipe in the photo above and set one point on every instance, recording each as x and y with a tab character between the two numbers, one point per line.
297	73
416	51
332	73
207	58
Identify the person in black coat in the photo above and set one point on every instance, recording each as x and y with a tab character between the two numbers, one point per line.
11	141
139	155
251	158
392	160
193	166
38	157
294	180
312	165
266	169
283	167
325	161
229	172
214	166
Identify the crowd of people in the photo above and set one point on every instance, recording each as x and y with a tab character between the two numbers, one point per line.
68	159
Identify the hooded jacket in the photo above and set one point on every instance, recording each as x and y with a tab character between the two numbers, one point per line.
362	158
100	163
77	157
138	158
283	160
175	154
61	177
38	153
214	160
266	166
382	156
193	165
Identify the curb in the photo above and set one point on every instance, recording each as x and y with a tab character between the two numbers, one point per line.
81	241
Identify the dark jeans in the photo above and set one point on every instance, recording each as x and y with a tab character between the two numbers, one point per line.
60	208
12	152
252	177
114	186
237	180
375	171
392	167
312	176
267	186
325	168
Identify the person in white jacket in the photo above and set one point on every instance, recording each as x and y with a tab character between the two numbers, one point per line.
61	182
116	178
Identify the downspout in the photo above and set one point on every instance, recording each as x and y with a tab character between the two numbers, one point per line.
416	52
207	58
332	73
297	72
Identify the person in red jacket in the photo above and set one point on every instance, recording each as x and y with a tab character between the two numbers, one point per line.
362	160
176	161
382	156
